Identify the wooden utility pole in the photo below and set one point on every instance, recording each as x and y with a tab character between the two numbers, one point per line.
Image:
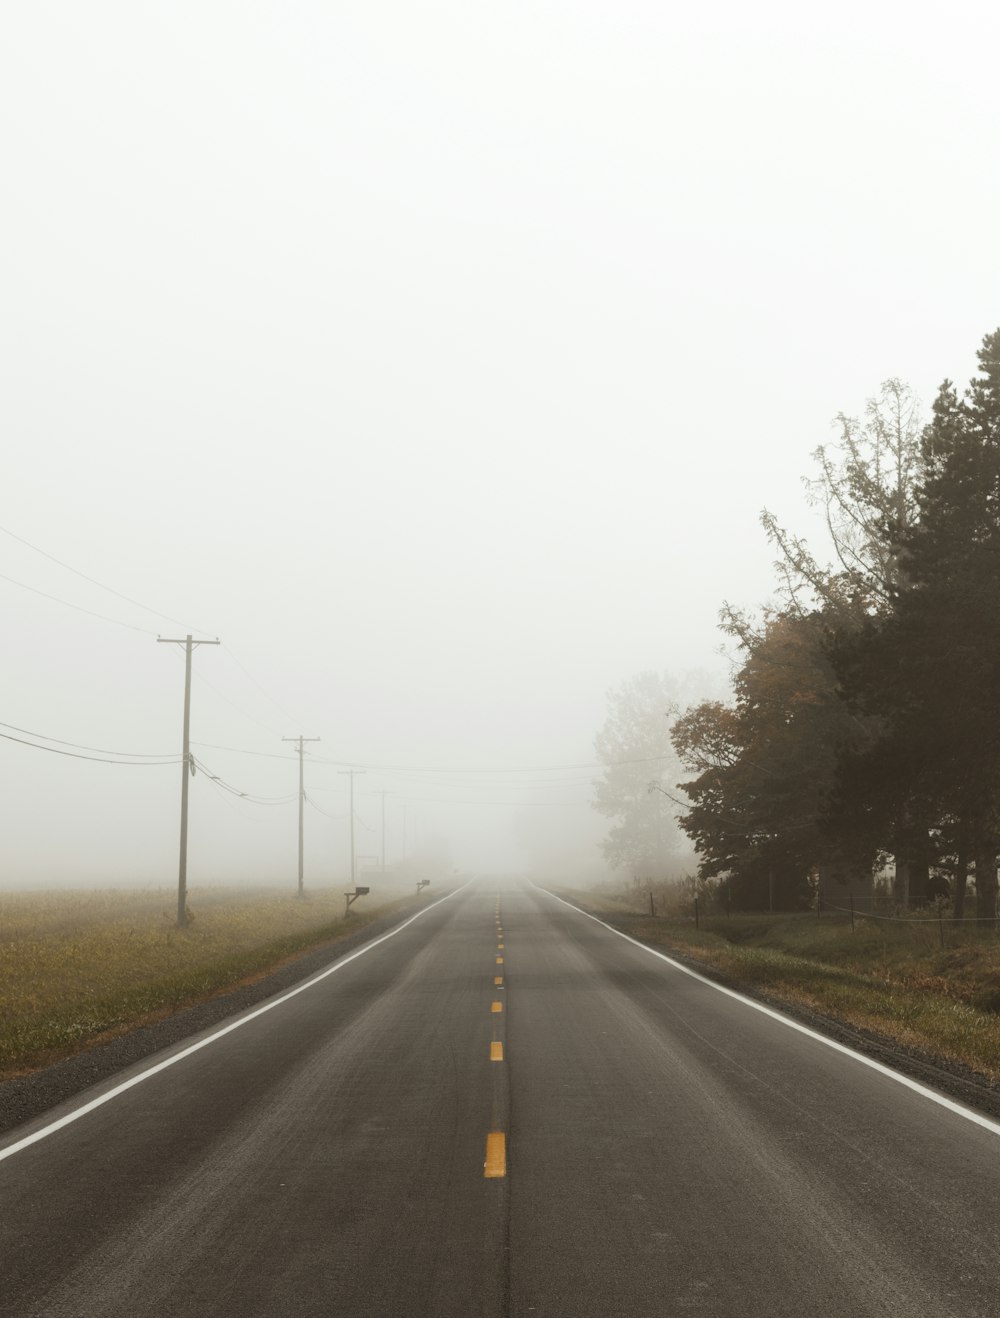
302	800
187	769
351	773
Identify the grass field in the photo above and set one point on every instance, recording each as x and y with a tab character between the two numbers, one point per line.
76	967
894	979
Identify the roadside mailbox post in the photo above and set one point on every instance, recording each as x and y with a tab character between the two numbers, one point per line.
352	897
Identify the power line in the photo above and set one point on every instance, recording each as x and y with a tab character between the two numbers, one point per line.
361	767
131	627
145	631
239	708
319	808
232	803
101	750
240	750
233	790
94	582
404	769
458	782
456	800
260	687
99	759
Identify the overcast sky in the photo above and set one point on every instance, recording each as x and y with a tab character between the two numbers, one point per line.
439	358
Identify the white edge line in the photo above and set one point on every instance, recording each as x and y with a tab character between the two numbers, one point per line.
79	1112
960	1109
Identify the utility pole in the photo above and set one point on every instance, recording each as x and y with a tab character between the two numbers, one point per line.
187	768
351	774
302	799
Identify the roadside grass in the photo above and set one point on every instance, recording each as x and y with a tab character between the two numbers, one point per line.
79	967
893	979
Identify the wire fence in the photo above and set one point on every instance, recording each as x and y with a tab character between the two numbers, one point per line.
930	920
926	918
715	908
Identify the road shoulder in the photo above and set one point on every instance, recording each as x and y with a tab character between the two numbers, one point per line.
961	1083
25	1097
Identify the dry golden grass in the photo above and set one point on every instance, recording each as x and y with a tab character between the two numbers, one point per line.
892	979
77	966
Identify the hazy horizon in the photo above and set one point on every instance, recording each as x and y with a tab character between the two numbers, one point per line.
439	362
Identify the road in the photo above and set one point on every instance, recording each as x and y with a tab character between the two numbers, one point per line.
654	1146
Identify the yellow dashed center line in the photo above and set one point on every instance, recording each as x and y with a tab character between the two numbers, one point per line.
495	1165
496	1154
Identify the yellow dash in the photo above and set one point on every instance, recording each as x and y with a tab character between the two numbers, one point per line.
499	960
496	1154
496	1052
497	1006
498	980
499	947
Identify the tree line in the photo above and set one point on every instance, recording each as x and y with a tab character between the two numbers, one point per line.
863	725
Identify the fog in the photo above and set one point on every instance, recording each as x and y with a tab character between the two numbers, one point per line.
439	360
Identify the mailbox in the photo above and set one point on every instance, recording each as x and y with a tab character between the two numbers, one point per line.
350	897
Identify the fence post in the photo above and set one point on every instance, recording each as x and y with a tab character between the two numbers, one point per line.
941	927
652	908
852	910
696	924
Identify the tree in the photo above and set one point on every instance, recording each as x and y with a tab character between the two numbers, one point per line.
634	746
866	488
930	667
766	764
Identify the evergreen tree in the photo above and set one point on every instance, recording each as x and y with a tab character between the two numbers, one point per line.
930	668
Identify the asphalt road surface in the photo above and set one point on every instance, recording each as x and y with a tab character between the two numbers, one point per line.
502	1108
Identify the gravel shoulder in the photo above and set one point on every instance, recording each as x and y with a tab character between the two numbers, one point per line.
23	1098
